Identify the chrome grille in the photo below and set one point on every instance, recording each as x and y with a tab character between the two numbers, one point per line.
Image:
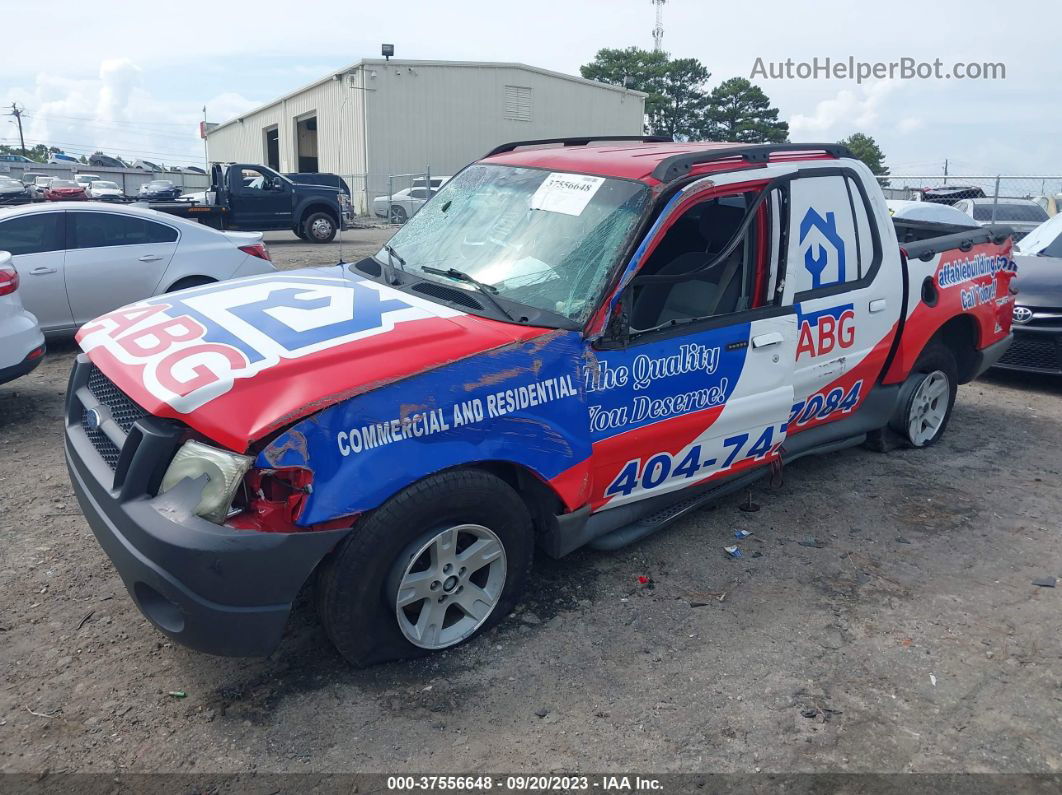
124	410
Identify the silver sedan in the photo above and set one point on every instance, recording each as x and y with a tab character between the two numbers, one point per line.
78	260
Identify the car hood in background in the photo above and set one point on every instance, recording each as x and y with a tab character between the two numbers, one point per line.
239	359
1039	282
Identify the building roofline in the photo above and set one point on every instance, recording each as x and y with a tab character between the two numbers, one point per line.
403	62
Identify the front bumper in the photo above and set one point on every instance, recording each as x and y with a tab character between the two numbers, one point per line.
1036	349
206	586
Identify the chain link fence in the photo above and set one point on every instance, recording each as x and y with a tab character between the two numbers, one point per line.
1021	202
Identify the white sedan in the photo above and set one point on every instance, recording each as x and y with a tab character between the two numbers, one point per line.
104	190
400	206
78	260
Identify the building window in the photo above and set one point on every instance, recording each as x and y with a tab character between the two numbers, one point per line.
518	103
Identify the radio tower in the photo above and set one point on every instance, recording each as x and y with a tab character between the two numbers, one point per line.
658	31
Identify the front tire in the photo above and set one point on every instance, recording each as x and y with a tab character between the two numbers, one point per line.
437	564
927	398
398	214
319	228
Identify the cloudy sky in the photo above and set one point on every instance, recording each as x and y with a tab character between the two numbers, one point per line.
133	79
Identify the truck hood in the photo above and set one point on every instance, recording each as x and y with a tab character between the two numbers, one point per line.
239	359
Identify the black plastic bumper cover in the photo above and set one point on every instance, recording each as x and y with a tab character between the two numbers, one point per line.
208	587
987	357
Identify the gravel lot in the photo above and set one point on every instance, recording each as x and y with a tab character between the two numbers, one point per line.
883	618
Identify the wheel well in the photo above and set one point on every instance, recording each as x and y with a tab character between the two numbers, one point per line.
319	208
960	335
541	501
190	281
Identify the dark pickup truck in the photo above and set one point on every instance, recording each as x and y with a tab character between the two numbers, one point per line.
252	197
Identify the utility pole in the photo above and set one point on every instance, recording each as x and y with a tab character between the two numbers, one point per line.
658	31
945	171
16	111
206	157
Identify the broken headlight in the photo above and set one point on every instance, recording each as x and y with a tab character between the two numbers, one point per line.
224	473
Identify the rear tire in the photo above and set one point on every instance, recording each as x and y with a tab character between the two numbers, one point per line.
451	552
319	228
927	398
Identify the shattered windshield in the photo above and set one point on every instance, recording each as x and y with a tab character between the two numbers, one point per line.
541	238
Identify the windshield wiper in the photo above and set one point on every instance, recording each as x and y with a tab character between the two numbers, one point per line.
392	255
488	290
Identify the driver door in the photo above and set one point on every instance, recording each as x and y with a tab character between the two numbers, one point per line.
263	199
703	388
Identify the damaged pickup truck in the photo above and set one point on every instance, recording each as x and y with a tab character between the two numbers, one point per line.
575	342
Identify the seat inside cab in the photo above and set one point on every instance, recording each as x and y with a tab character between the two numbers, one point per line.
692	243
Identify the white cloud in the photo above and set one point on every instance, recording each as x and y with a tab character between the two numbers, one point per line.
114	112
909	124
848	110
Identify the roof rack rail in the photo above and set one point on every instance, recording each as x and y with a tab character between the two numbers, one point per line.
677	166
583	141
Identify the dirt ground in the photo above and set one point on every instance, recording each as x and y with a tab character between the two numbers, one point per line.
883	618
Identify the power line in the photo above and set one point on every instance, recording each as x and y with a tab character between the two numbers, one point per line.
89	149
108	125
49	115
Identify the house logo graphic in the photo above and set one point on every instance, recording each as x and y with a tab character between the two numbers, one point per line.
823	248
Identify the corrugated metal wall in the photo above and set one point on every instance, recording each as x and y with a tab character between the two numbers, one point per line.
339	108
405	117
445	116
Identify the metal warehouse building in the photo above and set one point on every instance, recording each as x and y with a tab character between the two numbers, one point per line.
379	118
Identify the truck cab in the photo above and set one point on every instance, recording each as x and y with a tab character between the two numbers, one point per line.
574	342
255	197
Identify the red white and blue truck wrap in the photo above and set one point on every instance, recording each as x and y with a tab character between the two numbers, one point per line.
403	415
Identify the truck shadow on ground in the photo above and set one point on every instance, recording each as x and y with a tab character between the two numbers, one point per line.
307	662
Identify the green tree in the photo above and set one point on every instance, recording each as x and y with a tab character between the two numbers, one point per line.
739	111
675	87
866	149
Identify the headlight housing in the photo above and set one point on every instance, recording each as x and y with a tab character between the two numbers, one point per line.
224	471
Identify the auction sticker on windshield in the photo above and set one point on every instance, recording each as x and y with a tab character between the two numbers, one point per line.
565	193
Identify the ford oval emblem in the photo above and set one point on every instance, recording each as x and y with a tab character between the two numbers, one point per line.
93	420
1022	314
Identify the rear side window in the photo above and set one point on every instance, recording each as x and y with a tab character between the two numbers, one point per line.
824	245
96	230
1010	212
32	234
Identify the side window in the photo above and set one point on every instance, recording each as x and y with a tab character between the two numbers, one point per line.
32	234
253	181
418	193
96	230
823	244
692	247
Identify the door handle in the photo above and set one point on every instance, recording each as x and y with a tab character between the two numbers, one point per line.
877	305
149	258
40	270
764	340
